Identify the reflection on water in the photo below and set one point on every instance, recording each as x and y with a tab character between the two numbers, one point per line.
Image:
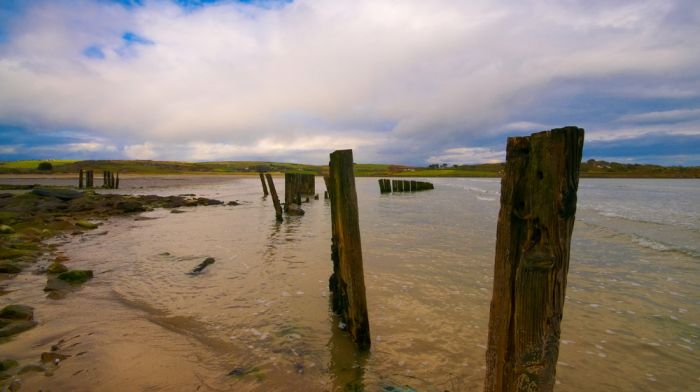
258	318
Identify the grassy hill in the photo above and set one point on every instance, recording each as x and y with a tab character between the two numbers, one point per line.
590	168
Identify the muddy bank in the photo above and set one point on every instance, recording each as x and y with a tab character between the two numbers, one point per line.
27	221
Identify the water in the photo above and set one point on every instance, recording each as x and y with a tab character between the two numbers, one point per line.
631	319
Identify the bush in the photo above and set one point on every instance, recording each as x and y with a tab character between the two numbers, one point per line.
45	166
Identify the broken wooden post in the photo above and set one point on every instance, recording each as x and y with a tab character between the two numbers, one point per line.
384	186
262	180
538	204
275	199
295	185
80	179
347	284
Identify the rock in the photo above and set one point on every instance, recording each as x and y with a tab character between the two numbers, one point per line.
86	224
130	206
5	229
17	312
177	211
56	268
61	194
47	357
9	267
15	319
294	209
204	264
203	201
6	364
13	327
233	203
316	196
75	276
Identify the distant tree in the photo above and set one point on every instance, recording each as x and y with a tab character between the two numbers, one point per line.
434	166
455	165
444	165
45	166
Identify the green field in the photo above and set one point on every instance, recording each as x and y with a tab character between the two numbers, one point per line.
590	168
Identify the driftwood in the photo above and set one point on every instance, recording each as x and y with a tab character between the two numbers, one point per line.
347	283
538	204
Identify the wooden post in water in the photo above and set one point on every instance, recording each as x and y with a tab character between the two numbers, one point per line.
538	204
262	180
347	284
275	199
80	179
116	182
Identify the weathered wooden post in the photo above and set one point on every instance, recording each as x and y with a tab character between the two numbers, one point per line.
275	199
116	182
394	186
89	179
538	204
80	179
347	284
262	180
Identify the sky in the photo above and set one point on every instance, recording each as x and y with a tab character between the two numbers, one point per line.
406	82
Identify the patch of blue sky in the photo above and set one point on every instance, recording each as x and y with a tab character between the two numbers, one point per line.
133	38
194	4
94	52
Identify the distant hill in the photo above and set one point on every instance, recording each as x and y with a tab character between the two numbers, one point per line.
590	168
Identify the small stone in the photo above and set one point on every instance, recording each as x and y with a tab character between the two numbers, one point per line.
54	357
75	276
13	327
204	264
86	224
17	312
56	268
5	229
233	203
175	211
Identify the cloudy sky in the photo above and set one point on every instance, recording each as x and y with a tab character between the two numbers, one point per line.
414	82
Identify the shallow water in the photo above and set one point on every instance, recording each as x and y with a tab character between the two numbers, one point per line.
261	311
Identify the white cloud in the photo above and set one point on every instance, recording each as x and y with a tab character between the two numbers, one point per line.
140	151
229	79
469	155
662	116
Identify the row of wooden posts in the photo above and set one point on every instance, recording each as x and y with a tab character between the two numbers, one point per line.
109	180
387	186
533	239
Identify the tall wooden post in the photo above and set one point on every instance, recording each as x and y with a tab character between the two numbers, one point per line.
262	180
116	182
275	199
347	284
538	204
80	179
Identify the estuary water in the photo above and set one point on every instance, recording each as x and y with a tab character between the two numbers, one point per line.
258	319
